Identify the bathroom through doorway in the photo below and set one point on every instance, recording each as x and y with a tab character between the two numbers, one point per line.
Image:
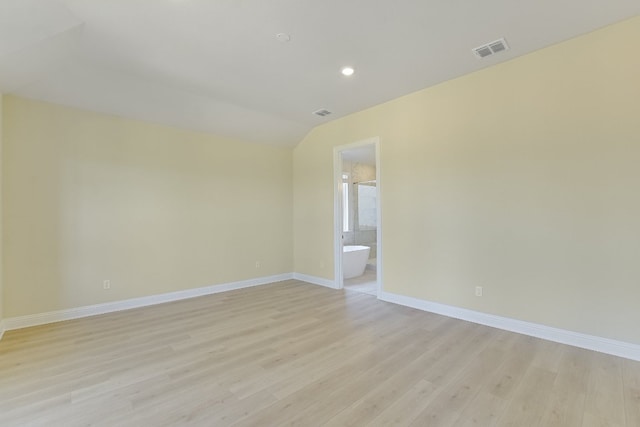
357	217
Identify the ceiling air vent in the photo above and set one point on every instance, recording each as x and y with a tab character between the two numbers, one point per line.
322	112
491	48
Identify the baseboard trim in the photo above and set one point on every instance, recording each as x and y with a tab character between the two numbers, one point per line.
20	322
576	339
315	280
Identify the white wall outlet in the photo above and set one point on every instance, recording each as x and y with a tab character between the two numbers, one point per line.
478	291
106	284
257	264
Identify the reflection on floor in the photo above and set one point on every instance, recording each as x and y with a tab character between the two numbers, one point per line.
366	283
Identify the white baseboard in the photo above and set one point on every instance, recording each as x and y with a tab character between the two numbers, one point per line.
315	280
109	307
589	342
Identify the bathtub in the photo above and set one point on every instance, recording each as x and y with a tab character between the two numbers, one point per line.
354	260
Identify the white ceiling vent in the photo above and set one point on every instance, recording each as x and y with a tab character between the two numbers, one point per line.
322	112
491	48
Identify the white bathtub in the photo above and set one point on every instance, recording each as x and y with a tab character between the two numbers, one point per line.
354	260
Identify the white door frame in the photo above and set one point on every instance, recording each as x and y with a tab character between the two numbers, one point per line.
337	211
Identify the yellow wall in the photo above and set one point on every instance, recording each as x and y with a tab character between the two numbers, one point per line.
153	209
521	178
1	269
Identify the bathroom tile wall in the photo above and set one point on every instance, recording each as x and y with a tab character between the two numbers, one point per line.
359	172
366	238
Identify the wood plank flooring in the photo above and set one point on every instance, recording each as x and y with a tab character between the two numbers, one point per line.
291	353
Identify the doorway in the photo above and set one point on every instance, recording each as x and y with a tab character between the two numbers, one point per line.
357	217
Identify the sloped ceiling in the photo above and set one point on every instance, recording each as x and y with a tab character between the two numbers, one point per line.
217	66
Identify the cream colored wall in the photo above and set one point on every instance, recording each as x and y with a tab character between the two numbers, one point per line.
153	209
521	178
1	266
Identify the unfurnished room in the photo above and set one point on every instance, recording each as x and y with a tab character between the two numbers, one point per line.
338	213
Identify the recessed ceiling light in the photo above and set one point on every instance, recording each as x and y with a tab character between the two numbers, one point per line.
347	71
283	37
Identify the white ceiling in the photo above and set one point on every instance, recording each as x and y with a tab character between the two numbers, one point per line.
216	65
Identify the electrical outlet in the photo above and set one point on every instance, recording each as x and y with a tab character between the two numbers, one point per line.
106	284
257	264
478	291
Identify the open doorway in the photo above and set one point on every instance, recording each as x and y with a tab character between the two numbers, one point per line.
357	217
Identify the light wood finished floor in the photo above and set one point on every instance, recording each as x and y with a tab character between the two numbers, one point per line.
297	354
366	283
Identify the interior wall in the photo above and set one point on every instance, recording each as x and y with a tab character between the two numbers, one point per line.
90	197
521	178
1	204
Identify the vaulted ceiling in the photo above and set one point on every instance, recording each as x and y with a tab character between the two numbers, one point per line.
217	65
